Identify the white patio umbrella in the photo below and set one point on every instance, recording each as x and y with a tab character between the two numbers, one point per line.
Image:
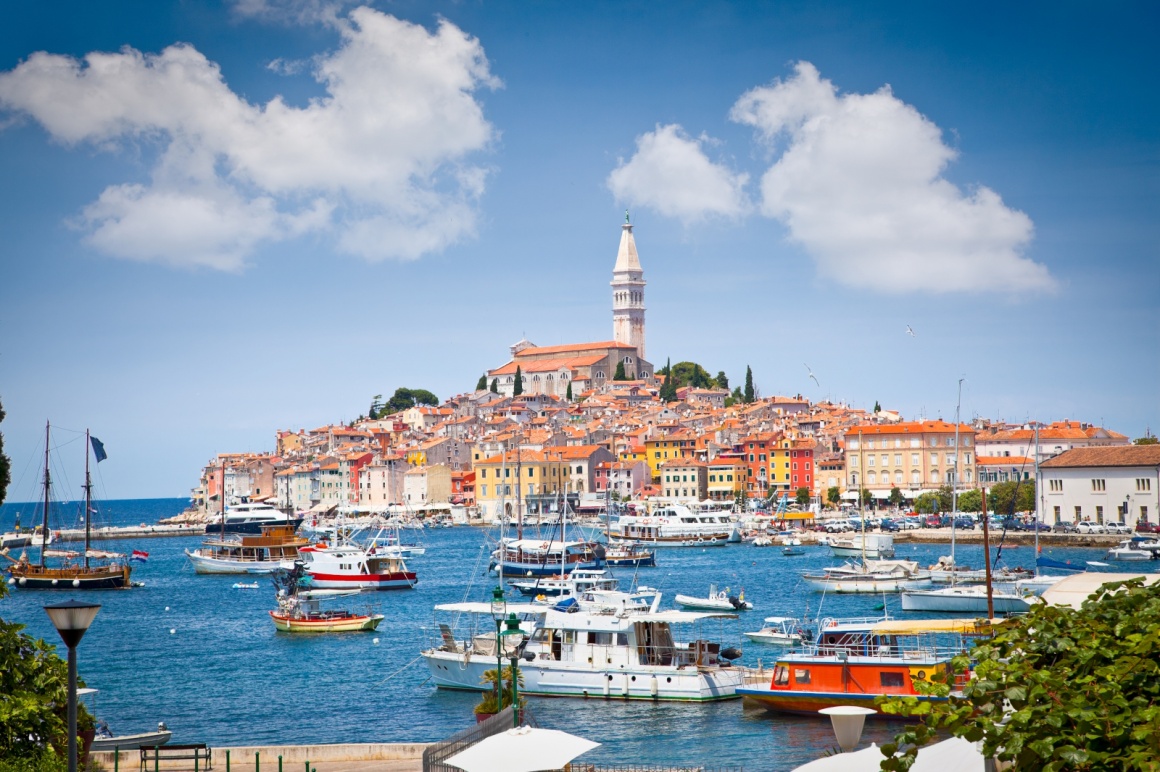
525	749
953	755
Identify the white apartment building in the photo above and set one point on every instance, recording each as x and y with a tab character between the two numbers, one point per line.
1109	484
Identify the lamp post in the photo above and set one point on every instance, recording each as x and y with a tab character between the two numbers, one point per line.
513	628
498	612
71	619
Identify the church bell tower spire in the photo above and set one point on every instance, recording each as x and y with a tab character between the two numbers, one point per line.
628	293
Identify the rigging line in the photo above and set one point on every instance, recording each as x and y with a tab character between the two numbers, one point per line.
400	670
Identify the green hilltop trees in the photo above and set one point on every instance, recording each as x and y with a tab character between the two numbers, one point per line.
402	399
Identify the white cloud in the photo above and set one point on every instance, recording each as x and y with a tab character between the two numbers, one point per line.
671	174
381	160
858	182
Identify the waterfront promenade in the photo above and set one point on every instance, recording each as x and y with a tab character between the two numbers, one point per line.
339	757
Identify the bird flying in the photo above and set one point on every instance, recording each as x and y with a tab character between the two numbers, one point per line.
811	372
910	331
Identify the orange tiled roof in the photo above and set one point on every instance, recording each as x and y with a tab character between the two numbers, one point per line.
909	427
543	350
1129	455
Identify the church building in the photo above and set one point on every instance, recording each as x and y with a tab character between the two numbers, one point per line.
550	369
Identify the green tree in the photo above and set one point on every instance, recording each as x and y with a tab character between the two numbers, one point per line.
946	499
5	465
802	496
971	501
404	398
690	374
867	497
482	384
376	406
749	393
568	393
620	375
668	368
877	407
495	385
833	495
33	695
927	503
1057	689
518	388
721	381
1147	439
1021	493
896	498
730	401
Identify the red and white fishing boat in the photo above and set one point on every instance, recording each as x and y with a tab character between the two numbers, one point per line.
351	567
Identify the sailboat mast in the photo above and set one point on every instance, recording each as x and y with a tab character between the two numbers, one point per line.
861	498
1038	499
502	508
88	499
519	492
222	493
955	487
47	486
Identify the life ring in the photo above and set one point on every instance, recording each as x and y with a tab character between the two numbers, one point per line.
700	540
713	540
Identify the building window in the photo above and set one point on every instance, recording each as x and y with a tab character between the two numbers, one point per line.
1058	515
1144	484
934	442
1055	486
1099	485
1099	514
870	460
1078	514
851	445
1143	514
934	459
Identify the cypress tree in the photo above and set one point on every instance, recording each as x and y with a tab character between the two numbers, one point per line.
568	393
619	375
495	385
482	383
748	384
518	389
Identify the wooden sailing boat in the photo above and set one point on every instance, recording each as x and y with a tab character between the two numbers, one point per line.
90	570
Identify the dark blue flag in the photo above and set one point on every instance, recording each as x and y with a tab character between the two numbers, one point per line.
98	449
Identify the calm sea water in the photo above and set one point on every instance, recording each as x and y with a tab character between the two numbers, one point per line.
203	657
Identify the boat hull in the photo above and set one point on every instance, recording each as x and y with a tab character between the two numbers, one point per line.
356	623
809	703
774	639
714	540
203	564
711	604
449	670
129	742
395	581
546	569
962	602
65	579
248	527
852	585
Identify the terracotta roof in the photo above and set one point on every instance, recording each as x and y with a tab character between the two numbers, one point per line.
547	365
909	427
1131	455
570	347
1004	461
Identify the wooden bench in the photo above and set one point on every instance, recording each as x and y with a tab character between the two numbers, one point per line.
152	755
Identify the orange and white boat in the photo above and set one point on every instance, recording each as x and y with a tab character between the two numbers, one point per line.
853	663
303	613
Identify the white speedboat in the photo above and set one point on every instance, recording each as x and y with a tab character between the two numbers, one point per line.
630	655
24	538
872	546
249	517
781	631
576	583
717	601
874	576
105	740
351	567
675	525
968	599
1136	548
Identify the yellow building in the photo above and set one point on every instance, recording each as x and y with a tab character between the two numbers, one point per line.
913	455
726	478
504	479
667	447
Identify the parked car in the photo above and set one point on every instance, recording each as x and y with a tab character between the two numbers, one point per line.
964	523
1063	527
1117	528
1146	527
1087	526
891	526
932	521
838	526
908	524
1035	526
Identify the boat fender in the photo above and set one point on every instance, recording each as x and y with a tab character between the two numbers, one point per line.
730	654
653	687
76	582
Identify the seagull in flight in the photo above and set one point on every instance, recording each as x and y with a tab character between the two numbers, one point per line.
910	331
811	372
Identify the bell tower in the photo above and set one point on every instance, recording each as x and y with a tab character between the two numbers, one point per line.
628	293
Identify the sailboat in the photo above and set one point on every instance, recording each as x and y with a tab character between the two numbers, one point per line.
89	570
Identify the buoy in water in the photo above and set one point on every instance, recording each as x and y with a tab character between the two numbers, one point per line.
172	630
167	608
375	641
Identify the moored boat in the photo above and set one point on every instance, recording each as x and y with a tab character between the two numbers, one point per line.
627	654
249	517
968	599
675	525
575	583
853	664
277	547
873	546
716	601
871	576
536	557
350	566
1136	548
303	613
781	631
105	740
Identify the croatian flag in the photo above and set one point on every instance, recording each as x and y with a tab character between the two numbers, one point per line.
139	555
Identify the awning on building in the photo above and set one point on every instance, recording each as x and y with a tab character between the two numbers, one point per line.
798	516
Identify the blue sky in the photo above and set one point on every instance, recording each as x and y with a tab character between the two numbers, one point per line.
223	220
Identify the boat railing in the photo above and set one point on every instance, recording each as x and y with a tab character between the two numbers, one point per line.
891	651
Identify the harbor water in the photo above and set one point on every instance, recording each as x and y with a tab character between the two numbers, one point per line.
204	657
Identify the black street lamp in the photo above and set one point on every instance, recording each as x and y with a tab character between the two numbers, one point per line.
72	619
513	628
498	612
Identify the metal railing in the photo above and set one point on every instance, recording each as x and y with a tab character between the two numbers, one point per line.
436	754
